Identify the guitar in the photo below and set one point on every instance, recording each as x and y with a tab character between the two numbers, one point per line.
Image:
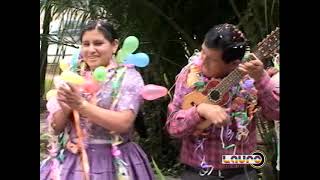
216	92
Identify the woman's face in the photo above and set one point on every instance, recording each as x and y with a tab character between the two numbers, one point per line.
96	49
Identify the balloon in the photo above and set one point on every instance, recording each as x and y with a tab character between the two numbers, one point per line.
152	92
58	82
100	74
53	105
64	65
139	59
74	60
72	77
121	55
130	44
90	86
51	93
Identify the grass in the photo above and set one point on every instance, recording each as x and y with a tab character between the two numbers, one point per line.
158	171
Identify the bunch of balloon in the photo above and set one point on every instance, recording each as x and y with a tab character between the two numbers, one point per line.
88	84
67	76
125	56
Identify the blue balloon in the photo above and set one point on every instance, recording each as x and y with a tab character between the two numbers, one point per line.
74	60
138	59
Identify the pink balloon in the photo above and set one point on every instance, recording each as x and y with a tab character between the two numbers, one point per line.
90	86
152	92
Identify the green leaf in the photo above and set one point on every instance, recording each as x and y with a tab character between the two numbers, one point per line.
159	173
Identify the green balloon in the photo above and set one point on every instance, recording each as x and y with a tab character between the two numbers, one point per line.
121	55
130	44
100	74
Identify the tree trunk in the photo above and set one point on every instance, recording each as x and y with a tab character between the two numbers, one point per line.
44	48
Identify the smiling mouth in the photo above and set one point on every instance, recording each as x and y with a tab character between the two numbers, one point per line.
92	57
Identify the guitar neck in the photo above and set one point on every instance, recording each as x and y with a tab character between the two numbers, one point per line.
234	77
264	49
260	54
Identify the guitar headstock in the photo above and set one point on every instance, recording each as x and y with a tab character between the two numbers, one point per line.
269	45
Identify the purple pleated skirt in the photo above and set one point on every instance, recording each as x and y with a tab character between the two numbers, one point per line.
101	164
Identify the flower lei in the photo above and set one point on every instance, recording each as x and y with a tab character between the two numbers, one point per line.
120	165
195	78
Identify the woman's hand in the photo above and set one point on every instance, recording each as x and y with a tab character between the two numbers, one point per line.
69	98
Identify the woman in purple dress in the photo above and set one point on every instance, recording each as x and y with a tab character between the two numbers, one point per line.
106	117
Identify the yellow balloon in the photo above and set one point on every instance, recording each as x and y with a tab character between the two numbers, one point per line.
72	77
51	93
64	65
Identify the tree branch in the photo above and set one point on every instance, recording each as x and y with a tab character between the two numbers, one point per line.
172	23
235	9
